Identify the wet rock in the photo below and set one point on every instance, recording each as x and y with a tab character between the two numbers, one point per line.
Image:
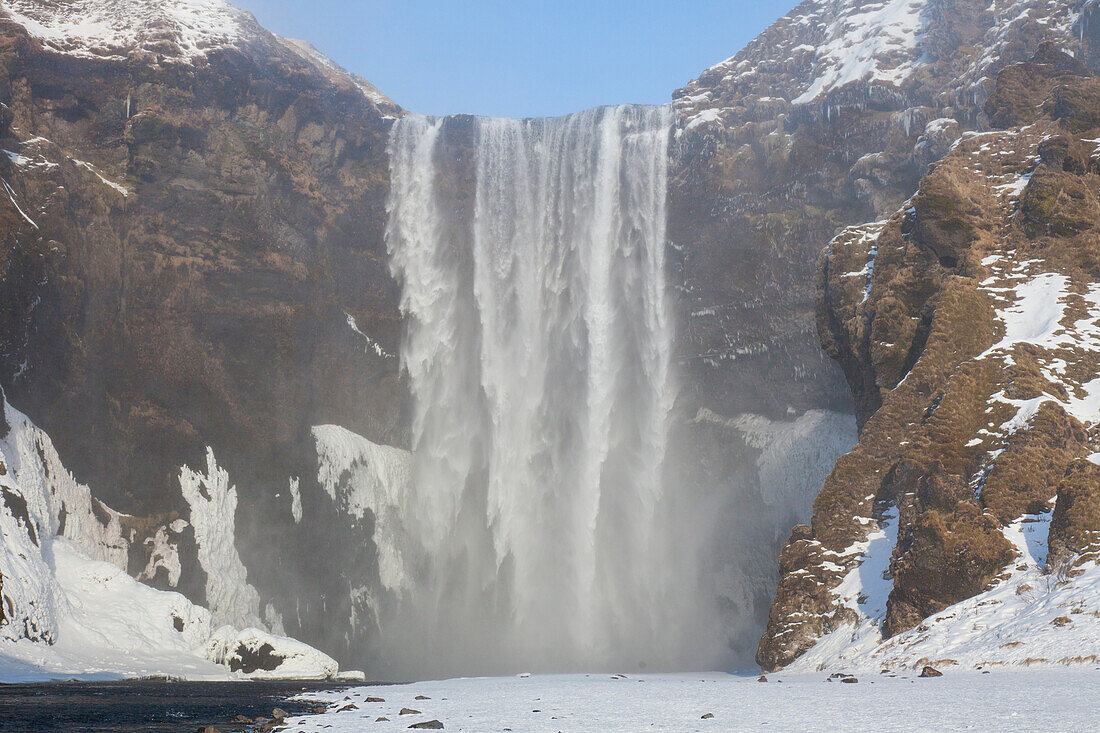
317	709
930	672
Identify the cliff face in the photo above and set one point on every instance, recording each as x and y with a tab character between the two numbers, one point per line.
828	120
192	257
967	321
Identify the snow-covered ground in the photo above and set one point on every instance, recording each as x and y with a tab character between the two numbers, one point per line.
1061	700
110	626
1026	619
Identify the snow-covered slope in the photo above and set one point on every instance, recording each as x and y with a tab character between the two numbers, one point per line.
165	32
1027	618
68	609
172	29
110	625
824	46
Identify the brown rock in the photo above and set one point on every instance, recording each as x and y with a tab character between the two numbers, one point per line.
907	338
409	711
948	551
428	725
930	672
1075	527
213	294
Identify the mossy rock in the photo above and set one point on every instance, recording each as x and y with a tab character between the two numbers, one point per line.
1057	203
948	550
1076	103
1021	88
1075	527
1066	153
946	220
1035	460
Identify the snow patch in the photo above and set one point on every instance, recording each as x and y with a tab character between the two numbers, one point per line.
213	503
872	42
295	500
371	344
361	477
115	29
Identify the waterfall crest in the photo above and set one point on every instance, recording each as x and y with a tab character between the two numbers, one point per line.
538	352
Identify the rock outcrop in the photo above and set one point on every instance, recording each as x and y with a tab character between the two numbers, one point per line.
192	258
828	120
967	324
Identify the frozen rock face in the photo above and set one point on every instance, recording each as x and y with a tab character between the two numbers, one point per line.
828	120
192	219
213	504
67	607
968	324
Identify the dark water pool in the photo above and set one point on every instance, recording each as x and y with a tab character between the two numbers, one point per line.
138	706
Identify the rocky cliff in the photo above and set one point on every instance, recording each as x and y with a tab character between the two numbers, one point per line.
193	277
963	527
828	120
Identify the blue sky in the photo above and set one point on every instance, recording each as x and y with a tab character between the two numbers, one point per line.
522	58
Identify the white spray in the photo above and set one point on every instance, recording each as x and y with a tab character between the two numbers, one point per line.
538	351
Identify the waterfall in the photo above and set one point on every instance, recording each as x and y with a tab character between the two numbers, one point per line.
538	353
